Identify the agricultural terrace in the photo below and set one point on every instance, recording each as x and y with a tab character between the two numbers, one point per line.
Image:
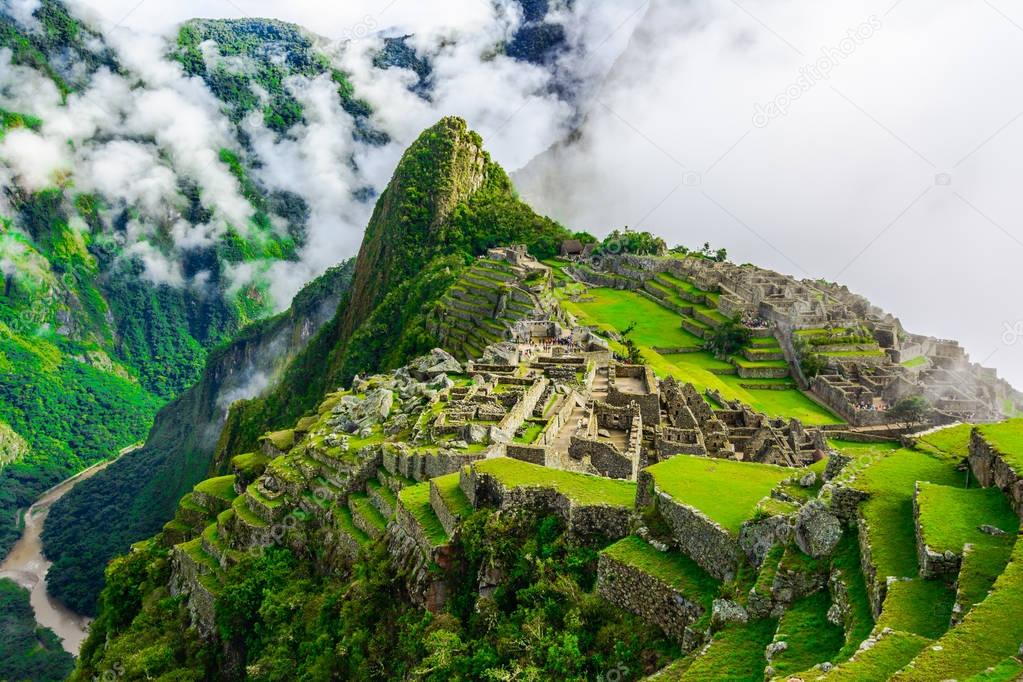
1007	438
582	489
988	636
657	327
725	490
672	568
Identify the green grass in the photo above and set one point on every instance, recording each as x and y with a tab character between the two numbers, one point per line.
221	487
859	621
811	638
455	500
242	511
580	488
990	633
920	606
659	327
530	433
617	309
251	463
735	654
383	491
673	568
416	499
363	506
1007	438
915	362
951	517
953	441
889	476
892	652
725	490
1009	670
343	515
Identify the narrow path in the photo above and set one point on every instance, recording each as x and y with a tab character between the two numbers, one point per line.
27	566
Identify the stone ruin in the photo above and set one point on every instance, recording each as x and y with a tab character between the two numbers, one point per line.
734	432
858	387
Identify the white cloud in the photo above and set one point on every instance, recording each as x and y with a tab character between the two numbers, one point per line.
846	168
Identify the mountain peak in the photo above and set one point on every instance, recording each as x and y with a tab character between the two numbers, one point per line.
445	166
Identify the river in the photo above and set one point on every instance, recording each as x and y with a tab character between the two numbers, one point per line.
27	566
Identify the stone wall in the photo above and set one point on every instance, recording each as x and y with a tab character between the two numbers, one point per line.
648	400
523	408
400	459
651	599
527	453
990	469
932	564
584	522
604	457
699	537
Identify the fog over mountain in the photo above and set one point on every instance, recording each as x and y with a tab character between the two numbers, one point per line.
888	165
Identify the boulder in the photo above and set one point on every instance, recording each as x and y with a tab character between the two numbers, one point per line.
817	530
437	361
988	529
808	479
726	611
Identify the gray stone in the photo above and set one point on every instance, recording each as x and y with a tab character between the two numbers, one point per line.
808	479
992	530
817	530
726	611
458	445
775	648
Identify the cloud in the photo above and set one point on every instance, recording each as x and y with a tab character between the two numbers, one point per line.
896	174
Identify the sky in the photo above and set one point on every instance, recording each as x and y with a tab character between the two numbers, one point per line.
873	143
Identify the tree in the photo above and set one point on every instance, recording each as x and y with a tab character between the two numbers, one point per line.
727	339
910	410
635	355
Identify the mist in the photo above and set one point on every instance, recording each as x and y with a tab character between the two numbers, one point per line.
869	143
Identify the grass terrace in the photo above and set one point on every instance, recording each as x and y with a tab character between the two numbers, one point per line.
892	652
735	653
811	637
221	487
582	489
922	607
673	568
614	310
725	490
951	517
953	441
989	634
889	476
416	499
1007	438
454	499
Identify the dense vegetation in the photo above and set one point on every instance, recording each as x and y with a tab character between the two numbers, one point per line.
27	652
70	413
543	622
134	497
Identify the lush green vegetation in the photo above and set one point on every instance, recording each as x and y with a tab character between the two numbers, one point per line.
989	634
70	413
735	653
657	327
811	638
893	651
580	488
27	651
543	622
725	490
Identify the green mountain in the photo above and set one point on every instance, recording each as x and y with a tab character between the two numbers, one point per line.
654	492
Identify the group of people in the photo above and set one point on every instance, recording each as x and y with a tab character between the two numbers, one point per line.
754	321
873	405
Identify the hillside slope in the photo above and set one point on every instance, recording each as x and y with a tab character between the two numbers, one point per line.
134	496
